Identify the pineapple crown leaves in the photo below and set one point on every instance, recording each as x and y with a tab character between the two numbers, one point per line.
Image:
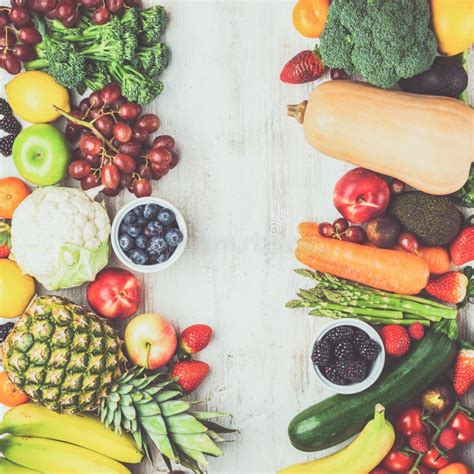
152	409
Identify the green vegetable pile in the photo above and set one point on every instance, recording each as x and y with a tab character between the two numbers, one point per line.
465	196
382	40
127	49
334	297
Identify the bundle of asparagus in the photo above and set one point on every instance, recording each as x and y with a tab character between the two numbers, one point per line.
334	297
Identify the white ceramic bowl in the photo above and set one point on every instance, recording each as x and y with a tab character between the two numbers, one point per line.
377	365
114	235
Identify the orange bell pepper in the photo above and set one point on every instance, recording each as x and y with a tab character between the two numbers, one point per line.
455	468
453	24
309	17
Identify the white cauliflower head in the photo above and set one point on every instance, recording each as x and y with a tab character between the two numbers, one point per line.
60	236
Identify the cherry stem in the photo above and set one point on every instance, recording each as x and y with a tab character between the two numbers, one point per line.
88	125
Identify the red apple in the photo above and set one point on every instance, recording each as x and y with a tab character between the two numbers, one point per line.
361	195
115	293
150	340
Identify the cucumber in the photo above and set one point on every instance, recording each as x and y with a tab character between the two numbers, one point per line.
337	418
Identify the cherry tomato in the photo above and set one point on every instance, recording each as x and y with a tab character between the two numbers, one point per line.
434	459
410	421
10	394
455	468
464	427
396	461
379	470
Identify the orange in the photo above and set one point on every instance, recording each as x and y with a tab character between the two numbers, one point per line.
12	192
10	394
309	17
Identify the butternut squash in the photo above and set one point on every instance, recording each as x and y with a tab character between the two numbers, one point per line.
425	141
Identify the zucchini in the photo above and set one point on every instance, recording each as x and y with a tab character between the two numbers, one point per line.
337	418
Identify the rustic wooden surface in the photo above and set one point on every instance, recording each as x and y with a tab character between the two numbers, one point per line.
246	179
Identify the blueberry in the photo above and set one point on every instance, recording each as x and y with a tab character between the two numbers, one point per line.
157	244
130	218
123	229
138	256
166	216
154	228
150	211
174	237
141	221
163	257
141	241
153	257
135	230
126	242
138	211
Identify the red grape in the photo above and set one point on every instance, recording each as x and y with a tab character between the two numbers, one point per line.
4	18
150	122
95	99
356	234
84	106
160	169
24	52
110	93
144	171
125	163
77	154
11	64
19	3
129	111
52	14
110	176
397	186
90	3
164	141
160	156
340	225
131	148
114	5
72	132
73	20
111	192
326	229
95	113
100	16
105	125
126	180
95	161
43	5
174	159
139	134
122	132
29	35
19	16
408	242
89	182
7	38
337	74
90	144
142	188
79	169
65	9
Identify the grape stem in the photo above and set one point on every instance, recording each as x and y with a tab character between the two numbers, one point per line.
87	125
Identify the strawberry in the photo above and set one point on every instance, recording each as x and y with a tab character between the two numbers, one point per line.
418	442
195	338
4	239
189	374
462	247
416	331
396	340
464	369
448	439
306	66
450	287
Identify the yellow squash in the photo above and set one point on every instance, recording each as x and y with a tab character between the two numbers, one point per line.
359	457
425	141
453	24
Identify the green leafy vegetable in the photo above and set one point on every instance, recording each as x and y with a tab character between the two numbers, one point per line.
465	196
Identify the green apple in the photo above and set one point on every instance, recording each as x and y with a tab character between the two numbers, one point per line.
41	154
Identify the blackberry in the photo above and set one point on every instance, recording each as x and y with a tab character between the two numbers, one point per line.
344	350
369	350
6	145
333	375
10	124
5	108
354	371
322	353
340	333
5	331
359	337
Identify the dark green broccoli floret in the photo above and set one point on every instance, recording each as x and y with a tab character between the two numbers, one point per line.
152	60
382	40
97	76
465	196
153	23
130	20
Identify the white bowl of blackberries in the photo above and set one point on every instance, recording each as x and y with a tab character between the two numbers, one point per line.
348	356
148	235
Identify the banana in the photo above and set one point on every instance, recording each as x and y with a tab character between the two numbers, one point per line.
86	431
359	457
55	457
7	467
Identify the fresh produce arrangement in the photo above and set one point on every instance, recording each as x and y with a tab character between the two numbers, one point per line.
397	256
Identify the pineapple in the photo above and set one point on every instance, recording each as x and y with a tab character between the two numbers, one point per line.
71	361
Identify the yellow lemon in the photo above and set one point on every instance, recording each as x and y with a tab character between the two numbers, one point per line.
16	289
32	95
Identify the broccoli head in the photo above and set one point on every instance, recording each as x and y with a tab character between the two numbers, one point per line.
465	196
152	23
152	60
382	40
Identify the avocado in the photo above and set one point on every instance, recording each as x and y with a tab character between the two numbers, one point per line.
435	220
446	77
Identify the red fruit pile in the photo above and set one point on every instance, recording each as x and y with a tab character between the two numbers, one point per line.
115	146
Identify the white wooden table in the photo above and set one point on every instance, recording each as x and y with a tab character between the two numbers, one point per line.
246	179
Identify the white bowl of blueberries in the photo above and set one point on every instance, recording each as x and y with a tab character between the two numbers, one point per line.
148	235
348	356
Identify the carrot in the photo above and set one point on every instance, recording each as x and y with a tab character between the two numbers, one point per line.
306	229
437	258
389	270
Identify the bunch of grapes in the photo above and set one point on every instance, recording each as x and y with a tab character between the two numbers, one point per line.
17	37
115	147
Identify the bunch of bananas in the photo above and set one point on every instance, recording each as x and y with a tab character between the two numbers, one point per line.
40	440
